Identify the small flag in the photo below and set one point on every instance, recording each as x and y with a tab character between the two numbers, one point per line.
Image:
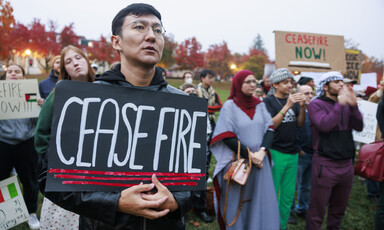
30	97
8	192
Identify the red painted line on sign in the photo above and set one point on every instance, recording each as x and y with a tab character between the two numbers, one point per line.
122	178
125	185
123	173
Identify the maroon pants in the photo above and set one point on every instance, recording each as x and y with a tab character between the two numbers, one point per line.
330	185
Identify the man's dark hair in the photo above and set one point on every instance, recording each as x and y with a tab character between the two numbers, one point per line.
137	9
205	72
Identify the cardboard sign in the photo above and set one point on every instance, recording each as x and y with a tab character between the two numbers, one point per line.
368	110
108	138
13	210
353	64
368	79
309	52
18	99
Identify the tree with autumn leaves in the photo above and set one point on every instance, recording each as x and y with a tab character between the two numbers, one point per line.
7	21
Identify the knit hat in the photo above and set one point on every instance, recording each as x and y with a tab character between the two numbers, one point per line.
325	78
278	76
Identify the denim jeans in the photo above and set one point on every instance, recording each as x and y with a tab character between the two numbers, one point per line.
303	183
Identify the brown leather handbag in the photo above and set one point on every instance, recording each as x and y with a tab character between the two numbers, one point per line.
238	172
239	169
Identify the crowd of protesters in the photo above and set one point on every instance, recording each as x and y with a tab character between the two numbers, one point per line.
296	135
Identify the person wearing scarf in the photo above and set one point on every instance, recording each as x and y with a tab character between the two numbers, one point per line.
288	114
333	114
246	119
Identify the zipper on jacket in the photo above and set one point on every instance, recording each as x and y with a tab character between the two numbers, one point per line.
144	223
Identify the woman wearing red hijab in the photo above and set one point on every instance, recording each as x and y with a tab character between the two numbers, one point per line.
245	118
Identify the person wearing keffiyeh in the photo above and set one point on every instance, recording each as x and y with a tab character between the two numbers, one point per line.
333	114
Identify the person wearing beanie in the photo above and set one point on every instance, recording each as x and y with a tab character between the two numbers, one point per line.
333	114
288	113
47	85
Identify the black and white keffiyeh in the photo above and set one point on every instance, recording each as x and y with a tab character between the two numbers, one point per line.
325	78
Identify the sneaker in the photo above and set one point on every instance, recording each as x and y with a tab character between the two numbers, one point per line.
33	222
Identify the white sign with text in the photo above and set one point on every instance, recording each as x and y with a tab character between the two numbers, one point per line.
13	210
368	110
18	99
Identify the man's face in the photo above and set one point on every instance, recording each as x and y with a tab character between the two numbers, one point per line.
139	48
307	91
267	82
207	80
349	85
284	87
334	87
56	66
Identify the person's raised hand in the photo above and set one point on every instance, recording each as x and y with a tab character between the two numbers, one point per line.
342	97
299	97
131	202
40	101
162	191
290	101
351	97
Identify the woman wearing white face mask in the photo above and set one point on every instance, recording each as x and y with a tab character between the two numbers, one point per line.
188	78
17	150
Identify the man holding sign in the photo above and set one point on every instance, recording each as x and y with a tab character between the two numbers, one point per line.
138	37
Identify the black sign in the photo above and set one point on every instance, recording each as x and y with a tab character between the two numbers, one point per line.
108	138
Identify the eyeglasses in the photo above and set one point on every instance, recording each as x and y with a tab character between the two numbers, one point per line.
143	27
250	81
258	92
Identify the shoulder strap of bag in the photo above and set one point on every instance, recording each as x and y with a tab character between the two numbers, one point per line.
241	191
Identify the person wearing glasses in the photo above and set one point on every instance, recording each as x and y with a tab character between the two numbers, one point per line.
138	35
246	119
304	166
259	92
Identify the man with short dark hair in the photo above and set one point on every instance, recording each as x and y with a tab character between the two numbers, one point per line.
138	35
205	90
288	113
333	114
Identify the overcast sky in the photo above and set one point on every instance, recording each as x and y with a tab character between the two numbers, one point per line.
236	22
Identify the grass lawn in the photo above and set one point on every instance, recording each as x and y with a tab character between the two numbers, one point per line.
359	215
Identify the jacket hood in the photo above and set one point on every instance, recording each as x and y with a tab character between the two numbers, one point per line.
114	75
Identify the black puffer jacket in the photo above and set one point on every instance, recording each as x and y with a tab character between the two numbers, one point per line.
98	210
